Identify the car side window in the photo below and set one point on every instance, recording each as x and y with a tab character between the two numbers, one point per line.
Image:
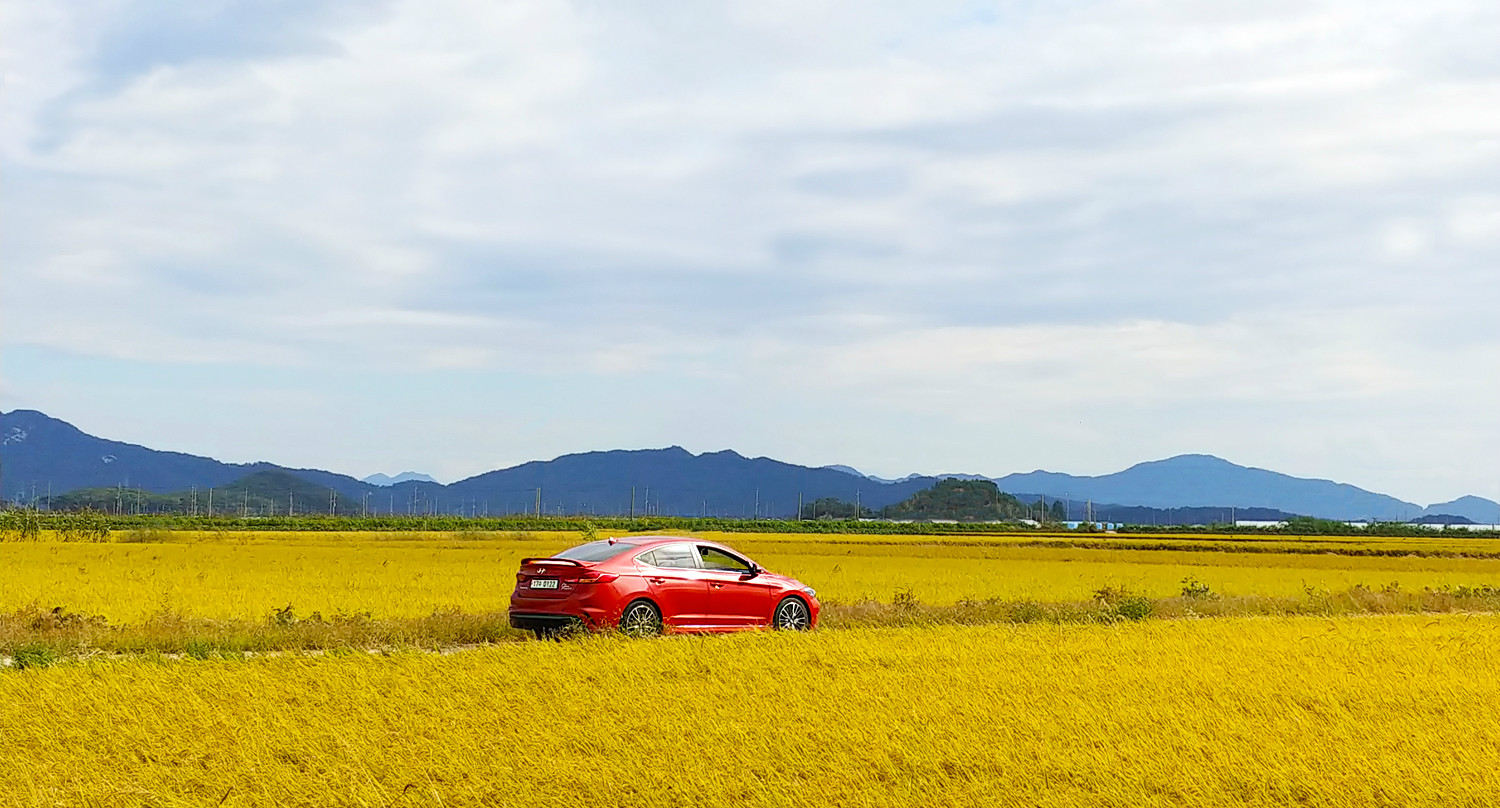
716	559
671	556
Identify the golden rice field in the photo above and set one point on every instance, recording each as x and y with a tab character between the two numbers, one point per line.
246	575
1377	711
1230	711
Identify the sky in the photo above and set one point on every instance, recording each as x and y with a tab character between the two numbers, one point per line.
452	236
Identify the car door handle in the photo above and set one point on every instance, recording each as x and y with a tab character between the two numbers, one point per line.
718	586
657	580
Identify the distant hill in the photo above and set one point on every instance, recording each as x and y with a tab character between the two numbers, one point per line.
1207	481
38	452
959	500
1443	519
1476	509
272	492
669	481
382	480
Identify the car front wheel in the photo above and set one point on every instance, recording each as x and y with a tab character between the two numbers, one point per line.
792	615
641	619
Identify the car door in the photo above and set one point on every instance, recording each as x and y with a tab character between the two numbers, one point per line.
676	584
736	595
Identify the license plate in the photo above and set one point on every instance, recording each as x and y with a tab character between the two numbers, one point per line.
543	583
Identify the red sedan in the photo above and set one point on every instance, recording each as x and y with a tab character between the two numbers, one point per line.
649	584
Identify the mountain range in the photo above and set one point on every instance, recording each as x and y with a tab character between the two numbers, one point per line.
39	454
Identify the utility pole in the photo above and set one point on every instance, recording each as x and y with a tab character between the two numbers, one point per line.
289	502
210	503
799	506
632	502
757	503
539	500
856	505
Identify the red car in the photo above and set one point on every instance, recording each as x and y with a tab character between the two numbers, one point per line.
649	584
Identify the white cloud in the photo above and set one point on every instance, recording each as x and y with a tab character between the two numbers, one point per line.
1167	207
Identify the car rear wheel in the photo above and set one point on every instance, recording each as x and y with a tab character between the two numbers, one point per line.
792	615
641	619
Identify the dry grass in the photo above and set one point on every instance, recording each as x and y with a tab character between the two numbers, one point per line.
52	635
36	637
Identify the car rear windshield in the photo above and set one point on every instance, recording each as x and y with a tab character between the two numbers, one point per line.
595	551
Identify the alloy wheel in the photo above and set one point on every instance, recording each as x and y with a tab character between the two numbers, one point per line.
641	620
792	615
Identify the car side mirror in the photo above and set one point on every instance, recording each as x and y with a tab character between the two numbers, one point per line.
752	572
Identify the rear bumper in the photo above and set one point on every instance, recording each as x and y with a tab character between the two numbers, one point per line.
534	613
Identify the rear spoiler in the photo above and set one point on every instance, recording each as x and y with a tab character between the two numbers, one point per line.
570	561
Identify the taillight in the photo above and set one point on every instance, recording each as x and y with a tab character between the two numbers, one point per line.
520	576
597	578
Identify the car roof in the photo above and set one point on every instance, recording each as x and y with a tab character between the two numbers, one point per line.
653	541
642	541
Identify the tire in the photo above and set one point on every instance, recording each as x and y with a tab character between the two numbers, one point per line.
791	614
641	619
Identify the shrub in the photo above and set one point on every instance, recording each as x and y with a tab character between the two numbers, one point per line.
1134	608
284	616
33	655
1196	589
905	600
85	525
199	648
21	525
1027	611
1110	595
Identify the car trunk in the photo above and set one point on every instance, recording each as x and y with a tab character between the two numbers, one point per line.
550	577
